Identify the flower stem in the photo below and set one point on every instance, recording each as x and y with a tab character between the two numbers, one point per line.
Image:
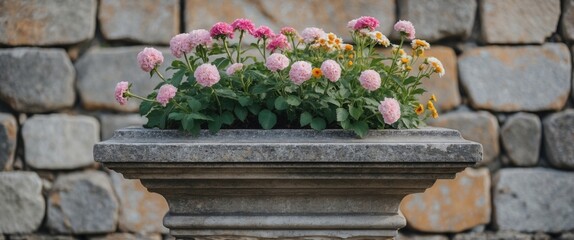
227	50
239	45
129	94
264	41
216	99
187	61
159	74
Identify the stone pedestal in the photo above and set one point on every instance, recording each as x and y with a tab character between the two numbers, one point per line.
286	183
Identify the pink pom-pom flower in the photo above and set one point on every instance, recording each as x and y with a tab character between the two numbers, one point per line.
165	93
276	62
300	72
221	30
200	37
149	58
243	24
288	31
331	70
366	22
121	89
310	34
263	32
278	42
370	80
351	24
405	27
390	109
234	68
206	75
180	44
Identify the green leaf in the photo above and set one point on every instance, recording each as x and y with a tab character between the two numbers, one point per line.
196	115
305	119
145	107
319	89
240	112
346	124
221	63
280	103
215	125
410	80
331	100
226	93
245	101
355	112
154	118
227	118
418	91
177	77
194	104
254	109
267	119
176	116
293	100
342	114
372	102
318	123
361	128
187	123
259	89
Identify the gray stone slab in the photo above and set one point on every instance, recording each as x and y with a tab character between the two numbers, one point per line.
568	19
8	131
112	122
558	139
41	237
534	199
21	203
30	83
521	137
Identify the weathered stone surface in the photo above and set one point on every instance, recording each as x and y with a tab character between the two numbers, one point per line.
420	237
141	211
127	236
534	199
29	82
558	139
507	79
451	205
59	141
99	70
521	136
21	203
331	15
438	19
38	22
445	88
568	19
567	236
8	131
147	21
82	203
518	21
112	122
501	235
40	237
481	127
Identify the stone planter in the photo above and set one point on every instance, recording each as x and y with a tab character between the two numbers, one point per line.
286	183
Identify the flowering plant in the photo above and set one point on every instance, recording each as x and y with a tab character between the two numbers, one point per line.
311	79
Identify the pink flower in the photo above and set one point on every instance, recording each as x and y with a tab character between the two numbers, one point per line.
276	62
149	58
331	70
220	30
288	31
263	32
200	37
310	34
370	80
180	44
366	22
391	110
234	68
351	24
206	75
243	24
300	72
279	42
121	89
165	93
405	27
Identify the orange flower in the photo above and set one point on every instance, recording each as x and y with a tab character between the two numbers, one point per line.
317	73
420	109
433	98
350	63
348	47
430	106
434	113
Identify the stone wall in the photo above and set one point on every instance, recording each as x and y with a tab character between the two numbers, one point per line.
508	86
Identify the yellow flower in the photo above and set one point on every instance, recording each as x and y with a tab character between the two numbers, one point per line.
408	68
405	60
351	56
340	56
433	98
348	47
350	63
317	73
430	105
421	67
436	65
331	36
420	44
420	109
434	113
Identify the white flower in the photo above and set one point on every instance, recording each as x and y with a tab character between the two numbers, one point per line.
436	65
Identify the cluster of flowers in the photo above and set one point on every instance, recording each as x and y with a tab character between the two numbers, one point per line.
260	88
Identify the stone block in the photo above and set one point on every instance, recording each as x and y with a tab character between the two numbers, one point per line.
41	237
446	88
521	135
29	82
558	139
127	236
21	203
111	122
8	139
568	20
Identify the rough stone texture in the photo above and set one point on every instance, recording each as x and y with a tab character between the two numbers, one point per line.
451	205
534	199
21	203
445	88
38	22
8	131
127	236
481	127
567	236
438	19
59	141
507	79
331	15
521	136
420	237
40	237
558	139
99	70
29	82
82	203
501	235
141	211
568	19
146	21
111	122
518	21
